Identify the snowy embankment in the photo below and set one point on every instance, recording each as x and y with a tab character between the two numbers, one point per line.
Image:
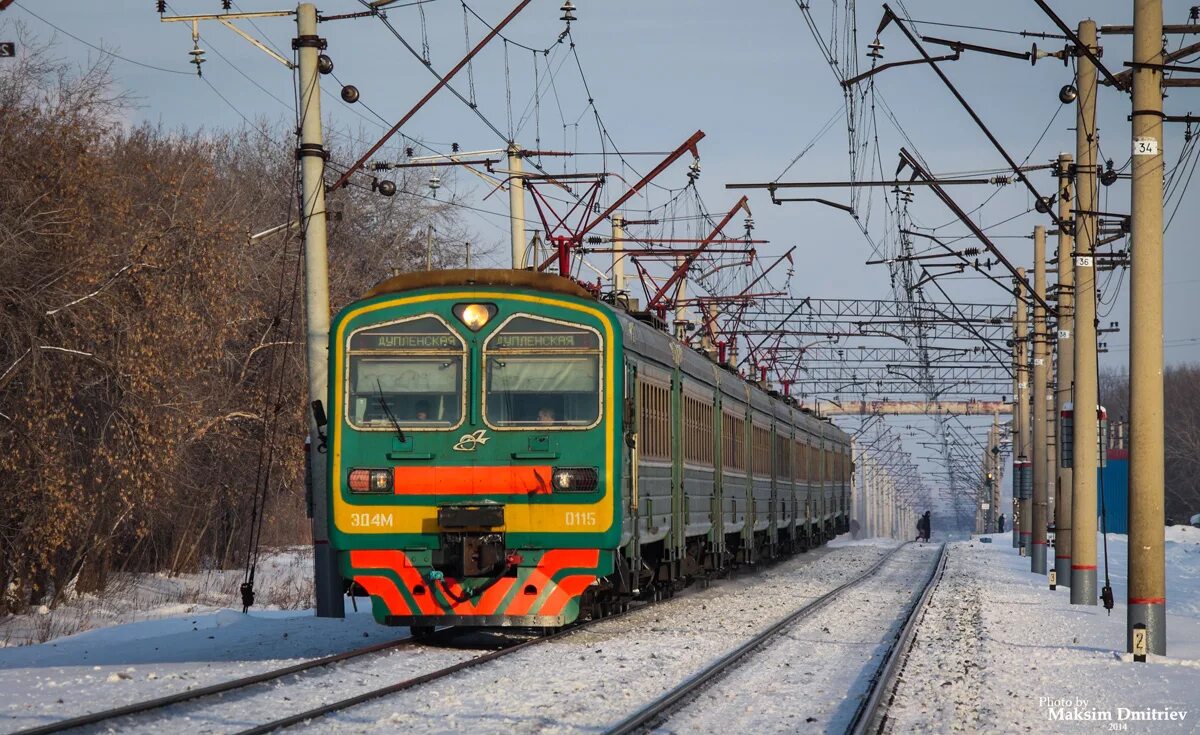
151	635
999	652
283	581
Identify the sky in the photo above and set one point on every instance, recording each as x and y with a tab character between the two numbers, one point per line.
751	75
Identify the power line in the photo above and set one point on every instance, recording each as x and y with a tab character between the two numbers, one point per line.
102	50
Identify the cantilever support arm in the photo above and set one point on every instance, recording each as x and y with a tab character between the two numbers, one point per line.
690	258
442	82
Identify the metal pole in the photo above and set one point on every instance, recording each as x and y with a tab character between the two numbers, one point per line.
429	247
1084	444
618	257
1064	384
516	206
1037	562
328	580
1147	584
468	256
1022	484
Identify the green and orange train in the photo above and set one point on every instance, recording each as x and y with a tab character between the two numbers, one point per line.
507	449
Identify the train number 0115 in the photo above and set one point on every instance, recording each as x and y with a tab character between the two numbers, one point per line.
579	518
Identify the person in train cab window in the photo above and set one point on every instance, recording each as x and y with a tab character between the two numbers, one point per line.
545	415
1000	524
422	411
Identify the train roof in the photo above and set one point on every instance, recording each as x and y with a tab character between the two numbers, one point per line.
480	277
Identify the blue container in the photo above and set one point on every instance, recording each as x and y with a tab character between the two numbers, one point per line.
1114	480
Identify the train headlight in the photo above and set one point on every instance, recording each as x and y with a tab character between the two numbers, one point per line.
574	479
474	315
370	481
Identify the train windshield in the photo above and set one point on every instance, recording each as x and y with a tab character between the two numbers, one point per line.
541	372
410	371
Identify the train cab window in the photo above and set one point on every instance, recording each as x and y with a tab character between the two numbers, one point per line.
542	373
410	371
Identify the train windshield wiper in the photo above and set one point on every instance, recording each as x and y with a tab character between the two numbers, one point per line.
388	411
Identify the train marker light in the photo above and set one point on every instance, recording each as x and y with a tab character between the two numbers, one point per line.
370	481
475	316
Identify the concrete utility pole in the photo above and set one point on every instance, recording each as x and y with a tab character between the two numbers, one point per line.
516	206
1022	482
330	601
1064	385
618	257
1147	584
1037	563
1085	442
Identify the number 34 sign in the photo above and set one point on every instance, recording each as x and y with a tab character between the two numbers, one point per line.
1145	147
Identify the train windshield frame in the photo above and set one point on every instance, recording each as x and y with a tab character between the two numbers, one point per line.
412	369
541	373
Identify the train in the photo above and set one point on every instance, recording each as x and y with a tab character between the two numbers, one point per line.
507	448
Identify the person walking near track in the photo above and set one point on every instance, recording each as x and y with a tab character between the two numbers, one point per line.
923	527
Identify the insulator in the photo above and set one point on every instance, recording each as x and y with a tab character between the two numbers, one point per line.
454	147
568	12
161	6
226	5
324	64
876	49
350	94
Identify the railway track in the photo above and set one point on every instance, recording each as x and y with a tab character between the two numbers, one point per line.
872	703
194	695
871	714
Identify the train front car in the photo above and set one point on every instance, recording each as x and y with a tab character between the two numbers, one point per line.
473	446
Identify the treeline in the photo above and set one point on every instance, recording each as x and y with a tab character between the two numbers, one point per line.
150	354
1181	426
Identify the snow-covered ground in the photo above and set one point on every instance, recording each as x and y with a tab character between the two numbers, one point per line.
811	676
283	581
582	682
999	652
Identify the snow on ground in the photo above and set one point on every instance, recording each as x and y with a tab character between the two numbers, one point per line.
153	635
999	652
283	581
811	676
581	682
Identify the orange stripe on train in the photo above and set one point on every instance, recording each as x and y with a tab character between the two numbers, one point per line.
398	562
528	480
385	589
488	603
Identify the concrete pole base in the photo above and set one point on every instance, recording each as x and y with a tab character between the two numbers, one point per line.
1083	587
1037	562
1154	616
1062	566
